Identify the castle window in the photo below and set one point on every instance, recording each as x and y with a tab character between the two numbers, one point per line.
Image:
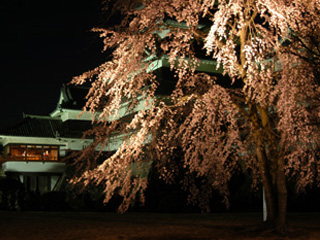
33	152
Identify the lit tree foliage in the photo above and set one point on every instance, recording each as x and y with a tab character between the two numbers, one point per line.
266	121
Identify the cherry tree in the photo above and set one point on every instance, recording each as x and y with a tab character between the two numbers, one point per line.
260	116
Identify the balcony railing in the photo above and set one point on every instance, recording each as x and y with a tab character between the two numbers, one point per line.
28	158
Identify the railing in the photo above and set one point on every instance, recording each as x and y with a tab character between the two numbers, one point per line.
27	159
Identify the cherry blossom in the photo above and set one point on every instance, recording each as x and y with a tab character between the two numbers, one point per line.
261	115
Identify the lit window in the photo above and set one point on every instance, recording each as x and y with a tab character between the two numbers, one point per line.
34	152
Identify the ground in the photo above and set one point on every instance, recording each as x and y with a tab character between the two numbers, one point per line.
143	226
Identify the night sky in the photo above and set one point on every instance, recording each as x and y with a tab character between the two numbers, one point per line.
43	44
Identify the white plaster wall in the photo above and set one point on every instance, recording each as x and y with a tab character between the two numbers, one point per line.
34	166
28	140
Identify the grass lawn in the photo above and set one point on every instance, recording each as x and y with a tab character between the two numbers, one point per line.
143	226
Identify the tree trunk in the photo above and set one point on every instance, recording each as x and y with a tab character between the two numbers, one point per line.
282	198
267	183
275	194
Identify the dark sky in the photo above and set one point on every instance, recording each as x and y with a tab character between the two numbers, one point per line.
44	43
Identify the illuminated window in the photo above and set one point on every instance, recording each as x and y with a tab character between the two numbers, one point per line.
34	152
7	150
18	152
50	152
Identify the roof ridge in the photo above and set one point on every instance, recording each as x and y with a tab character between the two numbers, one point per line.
25	115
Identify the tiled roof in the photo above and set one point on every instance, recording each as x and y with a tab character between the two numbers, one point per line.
47	127
34	127
73	97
